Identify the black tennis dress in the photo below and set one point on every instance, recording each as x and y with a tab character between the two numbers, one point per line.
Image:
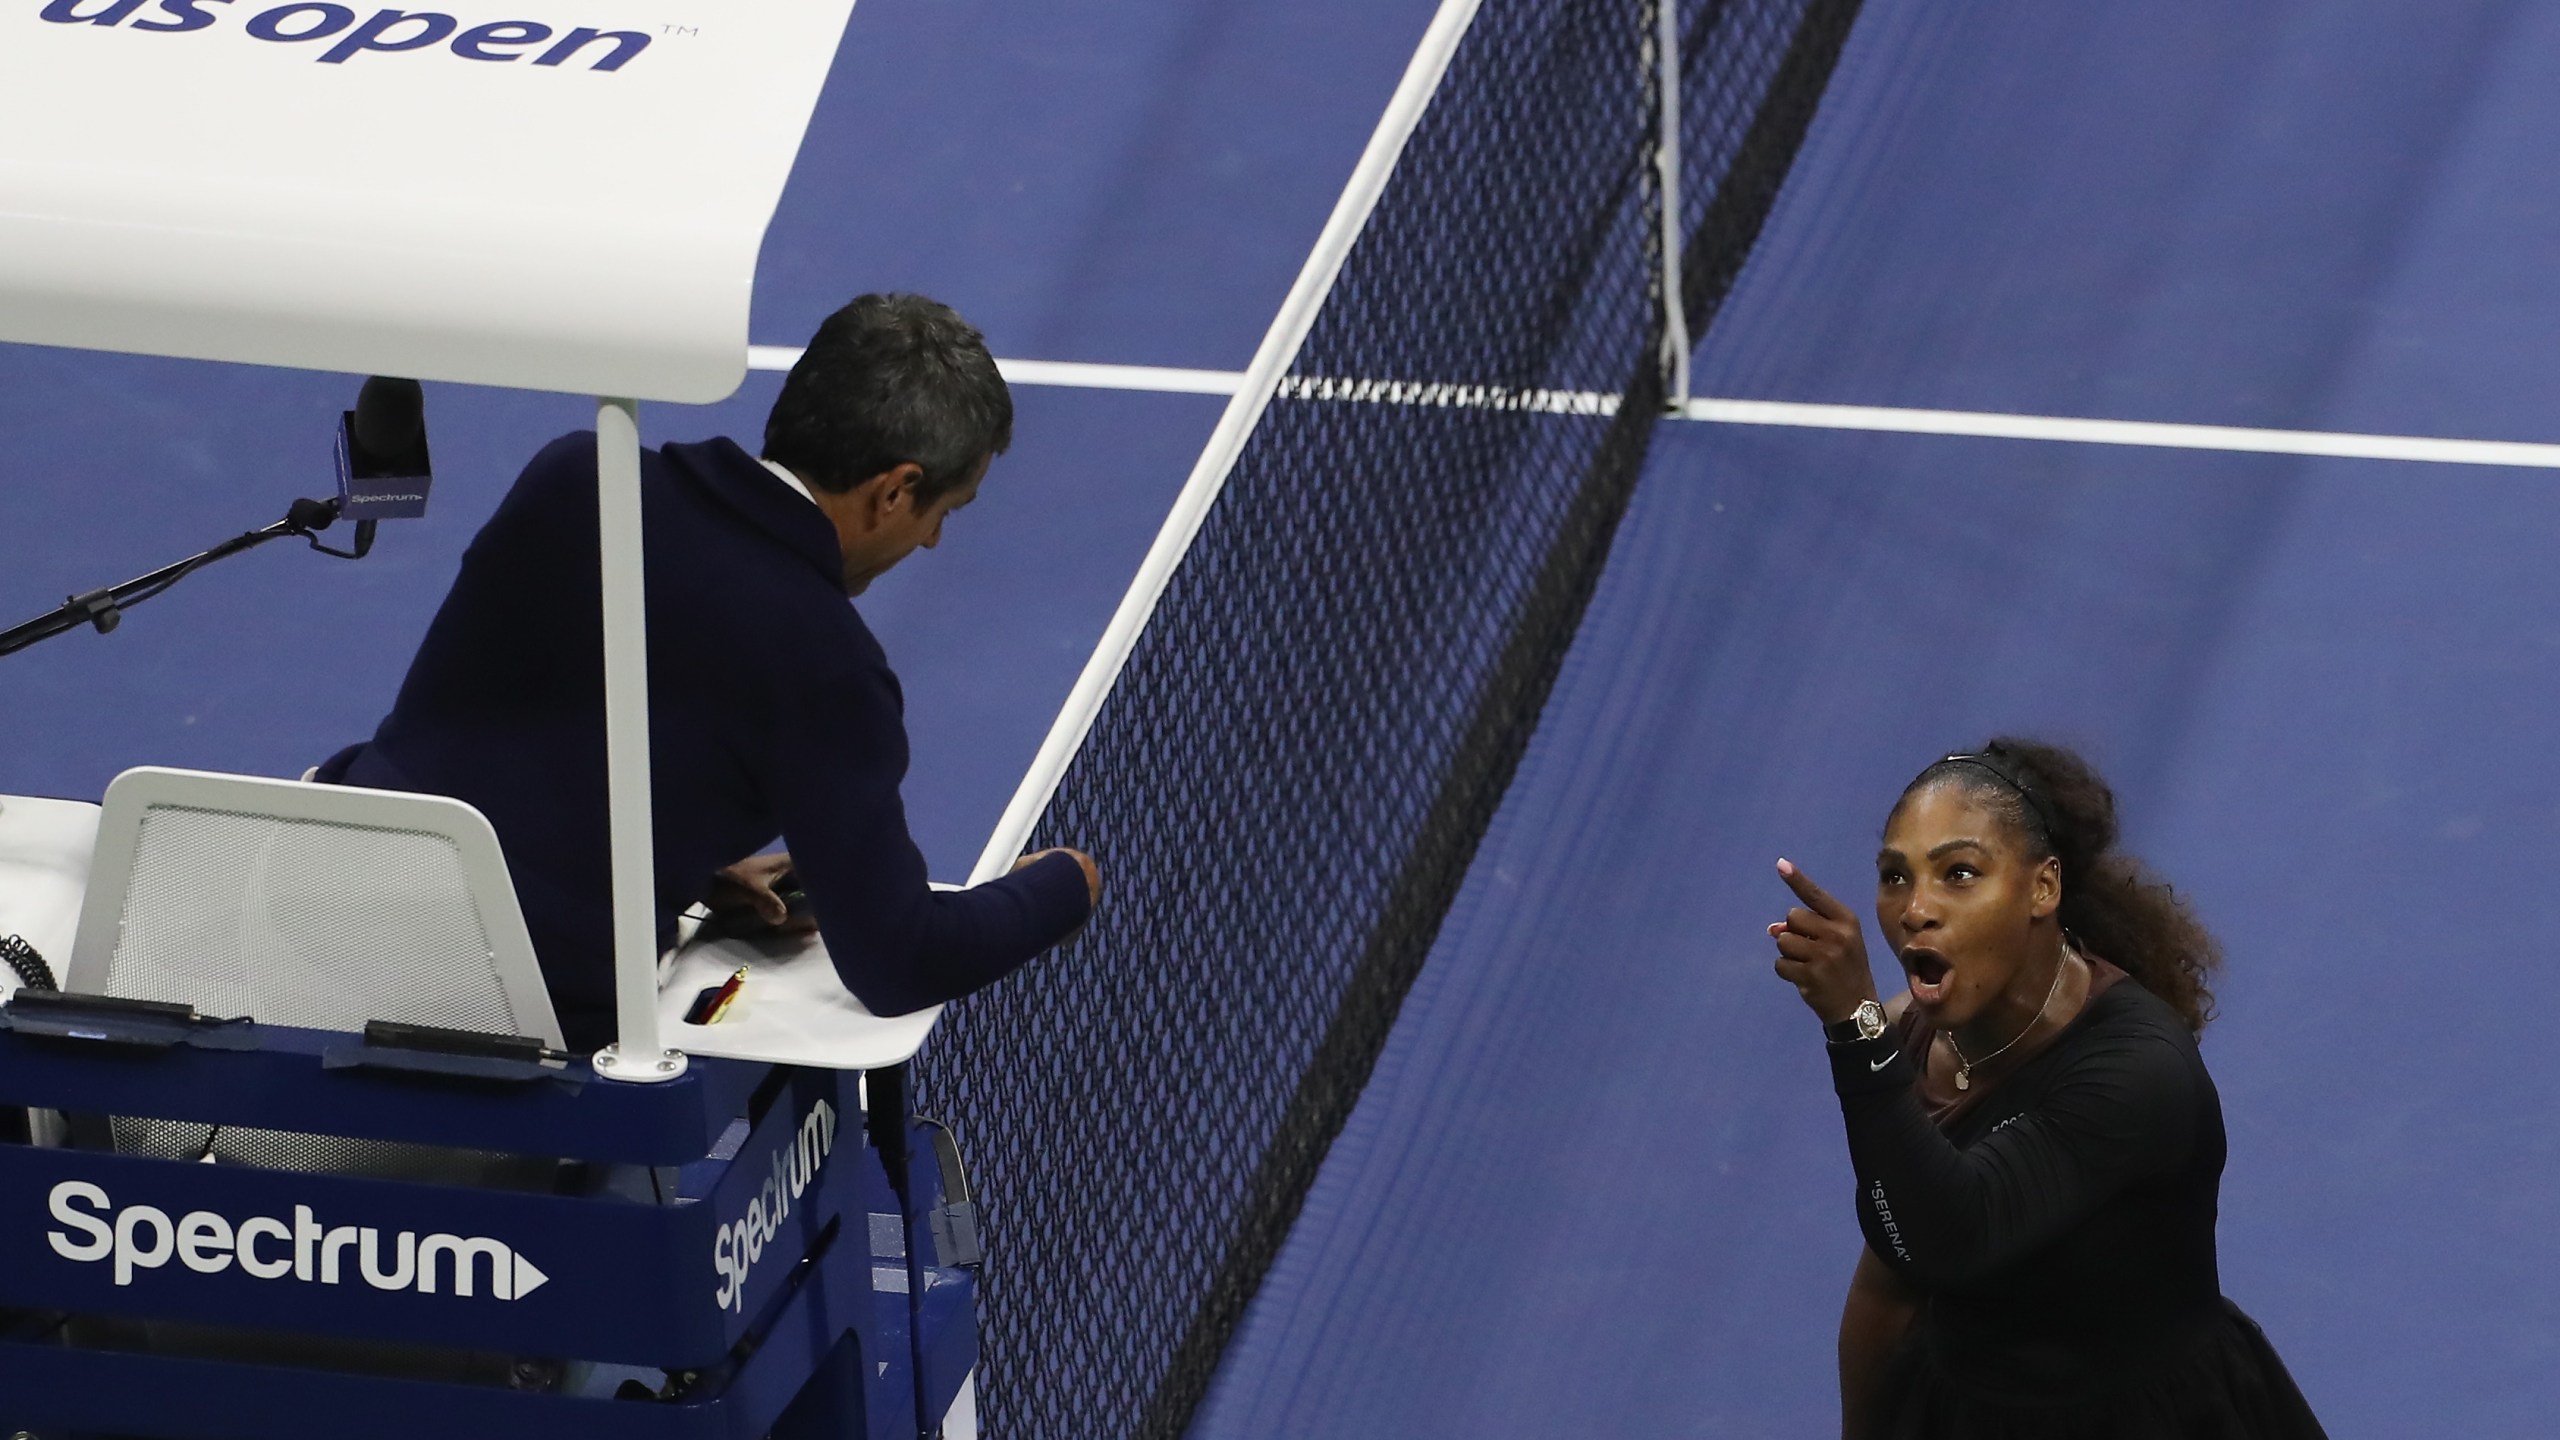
2060	1229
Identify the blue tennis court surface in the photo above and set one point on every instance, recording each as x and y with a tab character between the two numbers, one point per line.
2316	216
1598	1186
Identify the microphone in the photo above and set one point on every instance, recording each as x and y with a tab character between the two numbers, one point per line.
391	419
382	475
383	471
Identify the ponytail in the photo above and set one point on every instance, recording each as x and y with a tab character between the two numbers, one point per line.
2112	905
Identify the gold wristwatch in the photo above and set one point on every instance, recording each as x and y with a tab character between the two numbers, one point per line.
1864	1023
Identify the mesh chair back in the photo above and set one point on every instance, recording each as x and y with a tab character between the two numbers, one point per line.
317	906
320	906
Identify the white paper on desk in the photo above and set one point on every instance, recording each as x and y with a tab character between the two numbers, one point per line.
792	1010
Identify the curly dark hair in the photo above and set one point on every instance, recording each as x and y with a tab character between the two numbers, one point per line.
2111	903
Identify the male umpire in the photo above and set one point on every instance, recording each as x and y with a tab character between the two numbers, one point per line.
772	710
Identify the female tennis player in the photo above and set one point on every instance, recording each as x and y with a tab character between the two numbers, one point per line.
2038	1147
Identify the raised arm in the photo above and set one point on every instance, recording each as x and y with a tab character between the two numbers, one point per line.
2123	1108
899	944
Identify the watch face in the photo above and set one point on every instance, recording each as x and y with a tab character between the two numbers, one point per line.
1870	1018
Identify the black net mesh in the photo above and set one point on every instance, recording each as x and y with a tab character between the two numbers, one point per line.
1288	782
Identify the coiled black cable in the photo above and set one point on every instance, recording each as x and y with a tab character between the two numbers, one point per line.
33	973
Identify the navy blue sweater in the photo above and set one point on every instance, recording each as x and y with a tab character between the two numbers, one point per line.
772	711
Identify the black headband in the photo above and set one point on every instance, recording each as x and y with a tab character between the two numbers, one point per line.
2016	779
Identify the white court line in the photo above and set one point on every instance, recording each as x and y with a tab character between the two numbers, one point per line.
1982	424
2344	445
1163	379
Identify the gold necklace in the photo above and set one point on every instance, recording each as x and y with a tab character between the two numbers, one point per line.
1964	1067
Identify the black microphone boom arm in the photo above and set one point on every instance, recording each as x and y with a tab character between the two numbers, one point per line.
102	609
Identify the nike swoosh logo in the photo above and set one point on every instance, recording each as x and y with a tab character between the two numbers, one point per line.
1889	1059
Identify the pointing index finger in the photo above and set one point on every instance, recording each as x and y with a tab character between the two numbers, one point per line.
1811	894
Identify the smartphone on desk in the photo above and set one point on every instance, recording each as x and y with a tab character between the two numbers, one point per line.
795	901
744	922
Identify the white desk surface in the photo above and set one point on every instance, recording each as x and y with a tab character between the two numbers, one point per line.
44	870
792	1010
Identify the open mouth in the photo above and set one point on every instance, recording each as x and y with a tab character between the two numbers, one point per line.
1929	972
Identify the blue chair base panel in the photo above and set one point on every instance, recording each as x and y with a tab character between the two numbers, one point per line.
733	1236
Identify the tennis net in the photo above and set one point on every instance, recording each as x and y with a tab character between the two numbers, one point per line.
1294	768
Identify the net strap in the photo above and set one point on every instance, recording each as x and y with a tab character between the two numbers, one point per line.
1672	353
